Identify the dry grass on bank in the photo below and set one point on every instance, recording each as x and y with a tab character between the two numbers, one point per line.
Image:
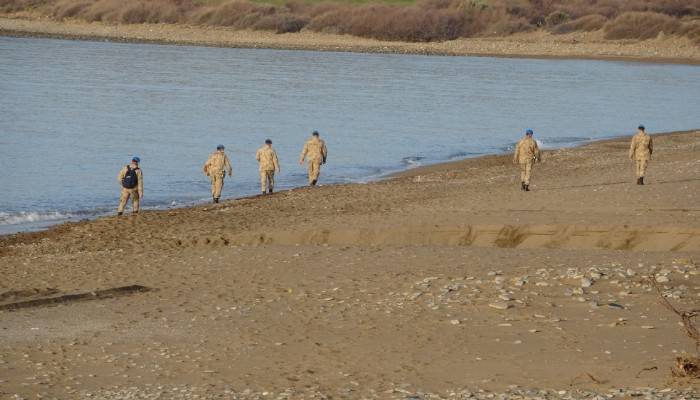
647	25
420	21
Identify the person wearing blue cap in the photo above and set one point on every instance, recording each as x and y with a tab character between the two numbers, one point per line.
640	152
131	180
215	168
526	154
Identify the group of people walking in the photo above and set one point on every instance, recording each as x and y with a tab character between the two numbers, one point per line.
218	165
526	154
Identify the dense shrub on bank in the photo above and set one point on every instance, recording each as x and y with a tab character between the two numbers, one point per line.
120	11
424	20
20	5
415	23
70	8
584	24
646	25
281	23
641	25
691	30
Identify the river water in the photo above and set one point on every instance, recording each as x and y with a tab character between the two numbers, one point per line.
72	113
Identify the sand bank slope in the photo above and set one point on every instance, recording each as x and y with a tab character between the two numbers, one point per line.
446	279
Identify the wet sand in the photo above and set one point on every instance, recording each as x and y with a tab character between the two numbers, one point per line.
581	45
440	281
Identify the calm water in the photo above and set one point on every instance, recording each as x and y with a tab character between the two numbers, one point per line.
73	113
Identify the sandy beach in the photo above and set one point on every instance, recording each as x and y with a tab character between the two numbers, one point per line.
441	282
539	44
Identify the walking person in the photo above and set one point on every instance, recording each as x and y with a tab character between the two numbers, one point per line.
268	163
315	153
131	180
526	154
215	168
640	152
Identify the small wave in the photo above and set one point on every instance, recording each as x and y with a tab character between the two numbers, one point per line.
462	154
509	148
412	161
24	217
565	139
549	143
367	174
555	142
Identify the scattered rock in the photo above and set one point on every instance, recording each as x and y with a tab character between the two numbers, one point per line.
499	305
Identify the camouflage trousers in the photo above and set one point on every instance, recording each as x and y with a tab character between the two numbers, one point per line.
314	170
641	167
525	172
267	180
124	198
217	184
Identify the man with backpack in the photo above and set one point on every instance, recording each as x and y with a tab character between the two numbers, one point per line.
215	168
131	180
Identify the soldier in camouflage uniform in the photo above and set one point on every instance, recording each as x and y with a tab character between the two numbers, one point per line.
640	152
526	154
215	168
267	160
315	153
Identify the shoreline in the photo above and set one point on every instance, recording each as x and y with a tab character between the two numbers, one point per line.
42	226
391	173
534	45
408	172
451	164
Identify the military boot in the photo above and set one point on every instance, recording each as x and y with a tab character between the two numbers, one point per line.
527	188
216	199
313	183
522	186
641	180
119	213
269	190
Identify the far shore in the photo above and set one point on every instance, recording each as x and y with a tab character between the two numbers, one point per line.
580	45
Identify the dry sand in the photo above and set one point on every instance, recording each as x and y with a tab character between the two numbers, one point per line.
587	45
439	282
